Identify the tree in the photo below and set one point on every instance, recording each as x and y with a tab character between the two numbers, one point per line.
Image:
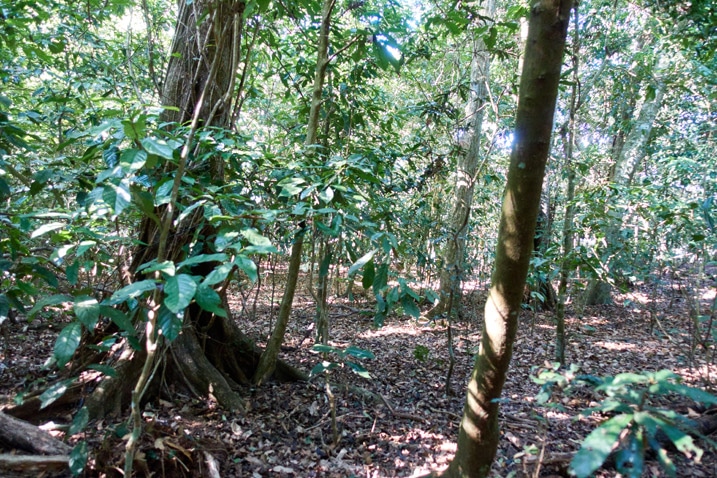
478	434
467	170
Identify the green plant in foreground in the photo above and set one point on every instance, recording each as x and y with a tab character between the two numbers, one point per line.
635	426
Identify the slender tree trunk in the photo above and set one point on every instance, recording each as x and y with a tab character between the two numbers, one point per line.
466	174
568	232
478	435
631	153
269	357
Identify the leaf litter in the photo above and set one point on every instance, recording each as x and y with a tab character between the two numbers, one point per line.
408	426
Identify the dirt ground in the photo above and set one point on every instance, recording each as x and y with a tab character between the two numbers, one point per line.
287	429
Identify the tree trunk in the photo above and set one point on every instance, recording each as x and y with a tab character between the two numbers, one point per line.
269	357
466	174
631	154
478	435
211	355
568	144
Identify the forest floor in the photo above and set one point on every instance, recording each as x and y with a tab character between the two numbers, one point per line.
287	430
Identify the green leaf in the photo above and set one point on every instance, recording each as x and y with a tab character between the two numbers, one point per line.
79	422
247	266
179	292
202	258
369	274
170	323
87	310
255	238
52	300
131	291
54	392
78	458
363	260
598	445
630	459
359	352
326	349
67	342
380	282
219	274
119	318
358	370
45	228
158	147
322	367
132	160
410	307
209	300
166	267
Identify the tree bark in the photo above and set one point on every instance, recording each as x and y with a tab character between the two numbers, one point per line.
467	170
568	144
20	434
270	355
478	434
631	153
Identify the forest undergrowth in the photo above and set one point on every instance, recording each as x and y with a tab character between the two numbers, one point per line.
406	423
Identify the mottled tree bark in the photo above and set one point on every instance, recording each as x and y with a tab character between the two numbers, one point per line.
478	434
466	174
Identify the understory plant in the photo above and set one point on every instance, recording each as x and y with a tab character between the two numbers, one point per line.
636	425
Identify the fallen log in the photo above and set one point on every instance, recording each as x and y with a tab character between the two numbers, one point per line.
21	435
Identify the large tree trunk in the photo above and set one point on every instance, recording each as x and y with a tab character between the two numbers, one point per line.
478	434
211	355
466	174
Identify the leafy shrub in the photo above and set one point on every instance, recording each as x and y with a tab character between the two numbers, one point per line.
635	426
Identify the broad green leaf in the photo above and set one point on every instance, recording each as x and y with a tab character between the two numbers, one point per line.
209	300
682	441
369	274
291	186
132	160
170	323
54	392
255	238
166	267
45	228
630	459
52	300
159	147
219	274
381	280
410	307
119	318
67	342
202	258
179	292
361	262
78	458
358	352
83	247
131	291
322	367
79	422
326	349
87	310
598	445
358	369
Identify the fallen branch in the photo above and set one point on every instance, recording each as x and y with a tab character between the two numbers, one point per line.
33	463
24	436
